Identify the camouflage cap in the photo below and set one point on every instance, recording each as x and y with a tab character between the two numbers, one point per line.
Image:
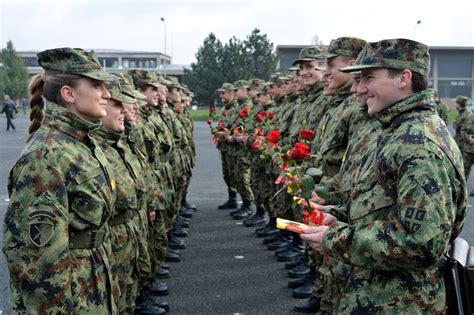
394	54
309	54
172	82
161	79
126	83
462	100
241	85
255	83
73	61
226	87
276	78
293	70
141	77
343	46
118	94
263	89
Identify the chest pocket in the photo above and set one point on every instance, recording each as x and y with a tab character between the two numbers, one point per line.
89	197
369	200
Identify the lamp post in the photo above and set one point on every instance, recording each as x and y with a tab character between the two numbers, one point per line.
414	28
164	24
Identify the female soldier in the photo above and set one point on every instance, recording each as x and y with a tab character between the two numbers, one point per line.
61	194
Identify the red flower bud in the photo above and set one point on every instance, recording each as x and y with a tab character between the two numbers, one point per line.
209	122
224	114
270	115
212	110
273	136
307	135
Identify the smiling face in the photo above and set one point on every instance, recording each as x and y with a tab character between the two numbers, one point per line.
227	96
310	72
379	88
360	98
332	77
87	100
115	118
131	112
151	94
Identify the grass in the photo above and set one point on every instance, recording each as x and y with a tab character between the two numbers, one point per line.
452	116
202	114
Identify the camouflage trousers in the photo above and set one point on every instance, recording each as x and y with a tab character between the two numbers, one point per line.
123	263
241	173
226	160
144	260
157	244
468	159
261	183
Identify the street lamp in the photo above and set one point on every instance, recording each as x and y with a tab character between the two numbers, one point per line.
414	28
164	24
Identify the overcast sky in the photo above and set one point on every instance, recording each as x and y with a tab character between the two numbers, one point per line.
136	25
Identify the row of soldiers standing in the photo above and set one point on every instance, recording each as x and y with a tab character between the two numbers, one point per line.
321	95
98	196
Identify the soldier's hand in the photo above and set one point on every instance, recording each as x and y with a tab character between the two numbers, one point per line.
329	219
471	139
152	216
230	139
316	199
314	236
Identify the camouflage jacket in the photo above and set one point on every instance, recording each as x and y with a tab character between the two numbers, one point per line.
443	111
396	246
467	130
292	109
458	125
231	114
62	193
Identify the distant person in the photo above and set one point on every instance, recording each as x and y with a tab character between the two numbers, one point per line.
441	107
24	105
9	109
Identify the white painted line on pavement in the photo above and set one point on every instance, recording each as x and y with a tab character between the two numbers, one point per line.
239	257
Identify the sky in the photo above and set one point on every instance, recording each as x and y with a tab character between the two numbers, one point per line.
136	25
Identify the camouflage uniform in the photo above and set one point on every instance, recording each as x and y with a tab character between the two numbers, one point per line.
462	137
396	232
62	191
467	129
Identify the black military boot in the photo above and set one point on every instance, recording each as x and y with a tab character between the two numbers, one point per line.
269	230
158	288
187	213
179	232
188	205
163	273
231	203
244	211
148	304
176	243
310	306
257	219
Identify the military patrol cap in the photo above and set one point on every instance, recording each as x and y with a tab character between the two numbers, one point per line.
118	94
144	77
344	46
397	53
255	83
275	78
309	54
241	84
461	100
126	83
226	87
263	89
73	61
173	83
293	70
161	79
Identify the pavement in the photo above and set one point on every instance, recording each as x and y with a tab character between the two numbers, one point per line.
225	268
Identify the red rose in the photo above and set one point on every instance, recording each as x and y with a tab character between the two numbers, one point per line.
299	152
212	110
224	114
271	115
273	136
258	118
220	126
209	122
263	114
307	135
244	112
255	146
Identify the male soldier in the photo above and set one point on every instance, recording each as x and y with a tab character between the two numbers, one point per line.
467	140
226	93
463	114
241	162
396	232
441	107
9	109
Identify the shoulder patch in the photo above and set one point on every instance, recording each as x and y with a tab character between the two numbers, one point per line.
40	227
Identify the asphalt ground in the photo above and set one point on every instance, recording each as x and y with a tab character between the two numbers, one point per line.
225	268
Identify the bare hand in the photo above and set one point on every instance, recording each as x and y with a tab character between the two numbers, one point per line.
314	236
315	198
471	139
152	216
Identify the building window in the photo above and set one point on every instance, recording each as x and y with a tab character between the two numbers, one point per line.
455	68
109	62
453	88
31	62
125	63
146	63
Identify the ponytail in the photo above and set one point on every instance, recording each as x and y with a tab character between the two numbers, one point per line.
36	102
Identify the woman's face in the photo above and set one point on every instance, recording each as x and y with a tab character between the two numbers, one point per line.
130	114
151	94
88	99
115	118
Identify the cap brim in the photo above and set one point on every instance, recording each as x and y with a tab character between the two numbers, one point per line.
326	55
356	68
100	75
298	61
124	98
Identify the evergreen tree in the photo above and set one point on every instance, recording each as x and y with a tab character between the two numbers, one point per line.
13	74
260	57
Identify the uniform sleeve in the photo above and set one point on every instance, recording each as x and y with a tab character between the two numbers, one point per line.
418	232
36	240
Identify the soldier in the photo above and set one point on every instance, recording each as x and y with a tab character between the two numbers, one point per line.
463	114
62	192
226	92
395	228
9	109
467	139
441	107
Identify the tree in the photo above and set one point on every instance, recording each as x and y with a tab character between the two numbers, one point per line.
237	59
13	74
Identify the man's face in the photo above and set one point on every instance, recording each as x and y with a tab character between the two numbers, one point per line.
252	93
162	93
338	78
379	89
361	99
227	96
310	73
274	91
175	95
264	99
241	94
290	90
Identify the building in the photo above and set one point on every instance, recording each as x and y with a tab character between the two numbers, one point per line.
451	73
114	60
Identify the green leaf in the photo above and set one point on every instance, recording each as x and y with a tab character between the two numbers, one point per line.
307	186
312	171
322	192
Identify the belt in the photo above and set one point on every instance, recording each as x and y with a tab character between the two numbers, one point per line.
86	239
122	217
